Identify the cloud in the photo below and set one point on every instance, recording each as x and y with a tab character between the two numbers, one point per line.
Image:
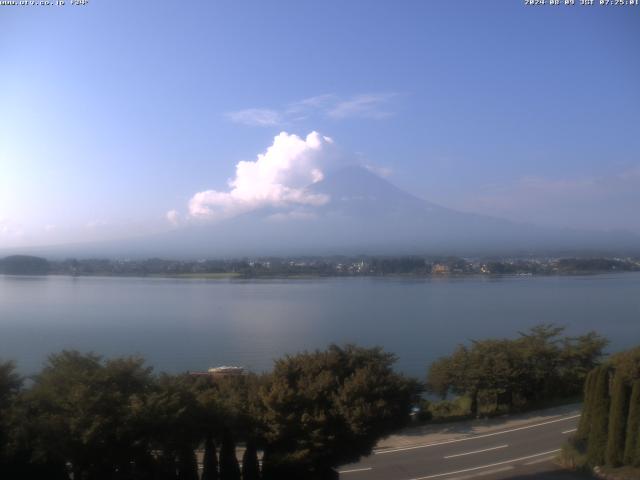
372	106
173	217
362	106
10	229
257	117
277	178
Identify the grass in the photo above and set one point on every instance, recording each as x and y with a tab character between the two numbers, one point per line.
621	473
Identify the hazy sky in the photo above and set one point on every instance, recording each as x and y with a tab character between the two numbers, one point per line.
123	117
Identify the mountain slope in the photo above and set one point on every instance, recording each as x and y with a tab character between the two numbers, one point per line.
364	214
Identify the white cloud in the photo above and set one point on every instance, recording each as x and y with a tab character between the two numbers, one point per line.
173	217
362	106
10	229
371	105
277	178
256	117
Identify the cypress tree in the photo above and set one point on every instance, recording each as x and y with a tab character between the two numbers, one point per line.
187	465
617	421
597	439
229	468
250	465
587	407
633	425
636	457
210	461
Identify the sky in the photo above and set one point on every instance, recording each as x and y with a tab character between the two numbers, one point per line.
124	118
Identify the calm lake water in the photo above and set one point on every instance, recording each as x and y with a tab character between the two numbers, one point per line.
182	325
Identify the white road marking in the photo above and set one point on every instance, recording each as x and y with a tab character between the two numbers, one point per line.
487	466
482	474
476	451
355	470
540	460
474	437
570	431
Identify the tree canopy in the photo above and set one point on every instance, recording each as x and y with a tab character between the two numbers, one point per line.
505	373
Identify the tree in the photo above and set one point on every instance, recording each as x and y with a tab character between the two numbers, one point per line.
578	356
79	411
584	424
597	440
618	416
326	408
10	383
210	460
632	444
541	354
508	373
250	465
627	364
229	468
187	464
458	374
24	265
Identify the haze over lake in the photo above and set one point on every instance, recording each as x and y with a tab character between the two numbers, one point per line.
182	325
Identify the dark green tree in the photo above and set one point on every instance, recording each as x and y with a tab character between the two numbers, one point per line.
79	412
618	415
632	447
578	356
250	465
187	464
24	265
326	408
597	440
627	364
584	424
229	468
210	460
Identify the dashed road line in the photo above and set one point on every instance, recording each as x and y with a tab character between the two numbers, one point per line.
354	470
476	451
483	474
474	437
504	462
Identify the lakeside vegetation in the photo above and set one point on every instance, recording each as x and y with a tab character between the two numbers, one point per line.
309	267
92	419
496	376
608	435
84	417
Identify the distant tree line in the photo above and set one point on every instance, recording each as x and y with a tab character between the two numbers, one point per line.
315	266
86	418
24	265
609	428
515	374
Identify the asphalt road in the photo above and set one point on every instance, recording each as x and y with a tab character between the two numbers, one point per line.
522	452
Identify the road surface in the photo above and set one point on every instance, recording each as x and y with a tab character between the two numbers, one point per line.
525	451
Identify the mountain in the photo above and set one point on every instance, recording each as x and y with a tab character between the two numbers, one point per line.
365	214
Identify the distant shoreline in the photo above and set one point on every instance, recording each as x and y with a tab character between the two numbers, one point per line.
319	267
239	276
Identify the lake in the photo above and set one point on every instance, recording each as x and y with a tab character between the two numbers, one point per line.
182	325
